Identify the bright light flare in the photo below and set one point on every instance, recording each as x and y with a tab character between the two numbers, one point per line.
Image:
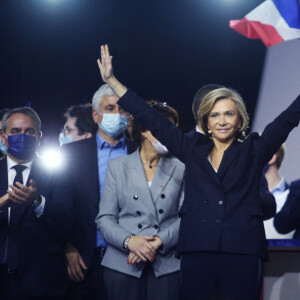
52	158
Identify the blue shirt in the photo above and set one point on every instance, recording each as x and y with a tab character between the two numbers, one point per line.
281	187
105	152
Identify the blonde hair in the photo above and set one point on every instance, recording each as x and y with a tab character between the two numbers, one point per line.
223	93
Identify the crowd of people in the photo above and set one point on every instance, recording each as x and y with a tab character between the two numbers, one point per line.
140	209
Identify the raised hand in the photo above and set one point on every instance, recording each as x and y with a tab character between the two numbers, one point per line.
106	71
105	64
23	194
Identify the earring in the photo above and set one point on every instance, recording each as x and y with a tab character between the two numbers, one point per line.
209	132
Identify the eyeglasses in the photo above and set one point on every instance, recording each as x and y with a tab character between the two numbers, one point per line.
67	130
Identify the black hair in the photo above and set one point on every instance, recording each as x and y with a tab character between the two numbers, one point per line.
84	120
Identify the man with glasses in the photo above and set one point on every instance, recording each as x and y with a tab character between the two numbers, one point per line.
79	124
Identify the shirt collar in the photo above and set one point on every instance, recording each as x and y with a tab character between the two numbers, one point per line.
101	143
11	163
280	186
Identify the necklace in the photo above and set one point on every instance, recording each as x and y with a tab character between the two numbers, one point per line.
149	165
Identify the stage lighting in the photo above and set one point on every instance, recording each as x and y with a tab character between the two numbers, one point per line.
52	158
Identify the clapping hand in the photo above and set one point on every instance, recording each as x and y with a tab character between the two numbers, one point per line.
4	200
23	194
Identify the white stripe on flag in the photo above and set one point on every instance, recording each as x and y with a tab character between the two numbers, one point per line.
267	13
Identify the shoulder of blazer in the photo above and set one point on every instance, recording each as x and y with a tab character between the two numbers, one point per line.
295	185
175	162
191	133
76	148
129	160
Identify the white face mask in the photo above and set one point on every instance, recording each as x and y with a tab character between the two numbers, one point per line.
160	148
113	124
64	139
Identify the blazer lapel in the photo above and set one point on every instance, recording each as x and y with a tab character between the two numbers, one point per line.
204	162
140	185
161	177
229	156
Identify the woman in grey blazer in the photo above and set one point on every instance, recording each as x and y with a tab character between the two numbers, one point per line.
138	217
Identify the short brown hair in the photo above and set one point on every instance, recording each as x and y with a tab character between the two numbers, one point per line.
280	156
218	94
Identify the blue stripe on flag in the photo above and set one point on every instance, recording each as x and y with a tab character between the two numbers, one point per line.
290	11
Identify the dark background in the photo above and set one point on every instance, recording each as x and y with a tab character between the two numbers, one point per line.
163	49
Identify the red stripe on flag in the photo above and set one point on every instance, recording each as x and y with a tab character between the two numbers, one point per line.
256	30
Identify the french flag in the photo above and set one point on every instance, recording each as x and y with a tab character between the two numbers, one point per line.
274	21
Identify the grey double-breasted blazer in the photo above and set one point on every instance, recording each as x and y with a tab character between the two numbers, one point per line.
129	206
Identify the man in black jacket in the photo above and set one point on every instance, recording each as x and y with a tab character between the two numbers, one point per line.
87	162
34	216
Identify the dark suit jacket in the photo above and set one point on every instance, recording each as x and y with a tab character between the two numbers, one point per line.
268	202
82	165
36	244
288	218
221	211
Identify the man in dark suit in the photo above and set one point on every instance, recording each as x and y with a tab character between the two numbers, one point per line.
31	225
87	160
288	219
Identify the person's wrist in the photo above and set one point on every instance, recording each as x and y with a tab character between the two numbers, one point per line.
126	241
112	81
158	242
37	202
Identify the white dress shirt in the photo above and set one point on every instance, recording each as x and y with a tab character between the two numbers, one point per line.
11	172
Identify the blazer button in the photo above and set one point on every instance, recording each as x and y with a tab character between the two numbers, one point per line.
138	213
218	221
205	201
163	196
140	226
155	226
161	211
221	202
135	197
203	220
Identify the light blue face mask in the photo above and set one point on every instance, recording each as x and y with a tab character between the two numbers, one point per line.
64	139
113	124
2	147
